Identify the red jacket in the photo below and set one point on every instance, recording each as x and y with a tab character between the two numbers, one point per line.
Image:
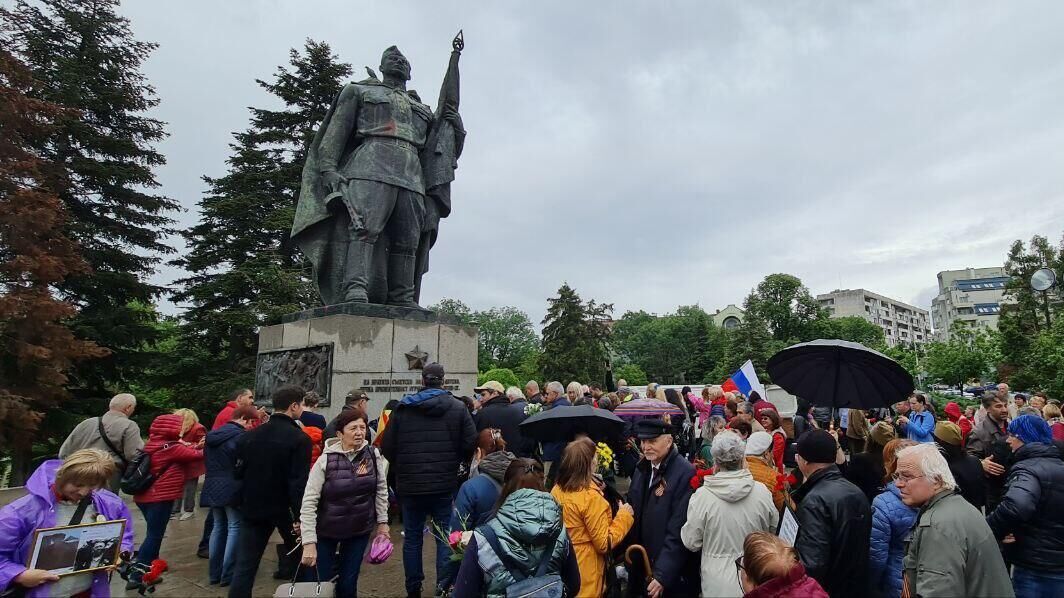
779	446
226	414
795	584
953	414
168	460
194	436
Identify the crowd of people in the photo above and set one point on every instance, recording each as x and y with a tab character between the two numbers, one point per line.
725	499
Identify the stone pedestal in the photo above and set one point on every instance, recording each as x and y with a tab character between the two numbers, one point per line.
376	348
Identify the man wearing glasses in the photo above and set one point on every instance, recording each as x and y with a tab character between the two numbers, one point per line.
952	551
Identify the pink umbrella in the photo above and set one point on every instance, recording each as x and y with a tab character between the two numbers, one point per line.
641	408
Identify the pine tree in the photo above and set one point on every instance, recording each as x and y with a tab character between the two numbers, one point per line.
86	58
38	349
574	338
245	272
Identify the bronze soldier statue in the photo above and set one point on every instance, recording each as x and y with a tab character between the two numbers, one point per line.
362	218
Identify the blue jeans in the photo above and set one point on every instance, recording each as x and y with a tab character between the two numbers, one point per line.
156	516
1037	584
347	566
222	551
416	509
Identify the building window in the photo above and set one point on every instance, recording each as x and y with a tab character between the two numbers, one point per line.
730	323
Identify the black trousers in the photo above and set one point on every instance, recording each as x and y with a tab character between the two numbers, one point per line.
252	540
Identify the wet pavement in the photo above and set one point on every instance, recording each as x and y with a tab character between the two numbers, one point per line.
187	576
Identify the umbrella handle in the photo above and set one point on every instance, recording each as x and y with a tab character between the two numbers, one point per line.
646	559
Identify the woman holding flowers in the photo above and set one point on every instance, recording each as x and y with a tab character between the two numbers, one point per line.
587	514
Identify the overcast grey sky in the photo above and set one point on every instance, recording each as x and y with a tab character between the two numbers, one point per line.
653	157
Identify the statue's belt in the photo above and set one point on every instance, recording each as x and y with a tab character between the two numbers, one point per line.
403	143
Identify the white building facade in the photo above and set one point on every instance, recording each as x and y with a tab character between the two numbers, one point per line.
970	297
902	323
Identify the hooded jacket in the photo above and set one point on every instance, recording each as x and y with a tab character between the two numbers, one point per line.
593	530
953	413
1031	509
309	510
220	488
729	506
525	524
20	518
428	436
793	585
952	552
835	523
476	499
891	521
169	458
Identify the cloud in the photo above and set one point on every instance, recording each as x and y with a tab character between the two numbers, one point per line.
654	156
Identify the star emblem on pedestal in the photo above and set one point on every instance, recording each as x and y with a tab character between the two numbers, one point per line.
416	359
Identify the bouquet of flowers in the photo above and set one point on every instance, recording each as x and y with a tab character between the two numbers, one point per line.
604	456
533	408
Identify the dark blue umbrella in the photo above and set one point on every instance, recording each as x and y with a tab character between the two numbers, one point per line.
836	373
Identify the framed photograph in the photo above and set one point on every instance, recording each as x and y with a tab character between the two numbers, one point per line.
77	548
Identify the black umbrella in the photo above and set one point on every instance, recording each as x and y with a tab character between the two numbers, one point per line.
834	373
562	424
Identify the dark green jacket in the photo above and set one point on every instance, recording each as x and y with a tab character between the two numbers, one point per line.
952	552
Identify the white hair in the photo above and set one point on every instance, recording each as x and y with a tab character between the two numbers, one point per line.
514	394
931	463
729	451
532	385
575	387
122	401
556	387
714	392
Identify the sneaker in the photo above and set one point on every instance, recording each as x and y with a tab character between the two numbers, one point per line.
187	515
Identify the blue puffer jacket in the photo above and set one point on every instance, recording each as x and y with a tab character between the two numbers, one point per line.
219	486
891	522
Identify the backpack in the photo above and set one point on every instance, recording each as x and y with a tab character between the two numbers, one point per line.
137	476
539	585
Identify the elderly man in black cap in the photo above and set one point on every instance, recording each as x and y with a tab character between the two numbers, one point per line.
429	434
834	519
659	493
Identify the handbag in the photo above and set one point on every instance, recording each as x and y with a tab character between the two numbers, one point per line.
306	589
538	585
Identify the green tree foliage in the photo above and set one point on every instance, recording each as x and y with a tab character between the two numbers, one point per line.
673	349
969	354
244	270
574	338
1044	361
503	376
86	59
785	305
1023	312
506	336
850	328
456	308
632	374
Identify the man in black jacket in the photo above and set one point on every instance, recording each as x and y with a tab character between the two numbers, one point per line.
273	461
496	411
834	520
659	494
427	437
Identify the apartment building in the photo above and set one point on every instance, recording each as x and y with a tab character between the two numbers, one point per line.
971	297
901	323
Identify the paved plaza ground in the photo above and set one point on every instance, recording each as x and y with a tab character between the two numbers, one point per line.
187	577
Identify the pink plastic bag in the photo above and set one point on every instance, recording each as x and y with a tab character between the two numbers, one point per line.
380	550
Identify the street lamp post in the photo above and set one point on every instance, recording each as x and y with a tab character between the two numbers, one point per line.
1043	280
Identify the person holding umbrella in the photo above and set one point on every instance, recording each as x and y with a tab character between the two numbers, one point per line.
659	494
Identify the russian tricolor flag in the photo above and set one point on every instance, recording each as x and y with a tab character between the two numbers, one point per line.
745	381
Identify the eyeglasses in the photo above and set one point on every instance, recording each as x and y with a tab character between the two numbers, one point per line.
738	572
897	477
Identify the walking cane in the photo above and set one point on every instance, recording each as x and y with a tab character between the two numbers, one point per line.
646	560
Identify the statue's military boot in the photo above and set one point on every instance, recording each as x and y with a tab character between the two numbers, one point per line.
401	280
359	256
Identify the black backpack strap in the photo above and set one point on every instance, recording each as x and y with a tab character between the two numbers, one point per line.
79	514
110	445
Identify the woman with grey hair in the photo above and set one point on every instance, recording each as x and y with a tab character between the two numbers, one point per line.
714	425
729	506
